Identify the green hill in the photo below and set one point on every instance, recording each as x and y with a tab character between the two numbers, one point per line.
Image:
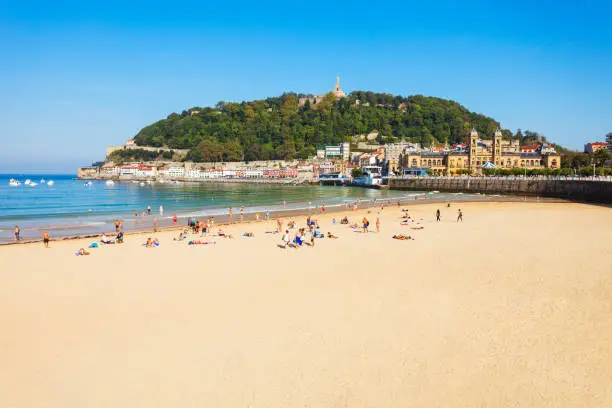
279	128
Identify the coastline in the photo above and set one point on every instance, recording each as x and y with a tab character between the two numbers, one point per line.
166	224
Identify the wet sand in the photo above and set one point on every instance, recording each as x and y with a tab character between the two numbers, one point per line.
510	308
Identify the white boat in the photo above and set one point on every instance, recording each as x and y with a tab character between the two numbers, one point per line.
110	183
27	182
14	183
88	184
33	184
50	183
42	181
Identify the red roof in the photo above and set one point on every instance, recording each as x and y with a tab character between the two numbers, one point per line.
530	147
597	144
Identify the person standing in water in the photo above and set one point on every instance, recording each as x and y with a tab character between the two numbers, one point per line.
459	215
437	215
149	209
17	233
161	209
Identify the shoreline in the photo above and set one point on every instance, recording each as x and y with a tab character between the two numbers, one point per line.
249	218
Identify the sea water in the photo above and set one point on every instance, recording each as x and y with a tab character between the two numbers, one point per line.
75	207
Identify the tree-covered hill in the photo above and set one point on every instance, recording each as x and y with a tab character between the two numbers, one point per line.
278	128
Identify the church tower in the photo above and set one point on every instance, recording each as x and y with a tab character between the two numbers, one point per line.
497	145
473	148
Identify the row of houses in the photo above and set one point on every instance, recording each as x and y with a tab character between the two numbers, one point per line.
180	172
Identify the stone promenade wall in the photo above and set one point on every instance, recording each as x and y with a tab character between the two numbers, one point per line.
579	190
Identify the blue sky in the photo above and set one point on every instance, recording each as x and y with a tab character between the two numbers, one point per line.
77	76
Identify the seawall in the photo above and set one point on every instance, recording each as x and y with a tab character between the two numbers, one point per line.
578	190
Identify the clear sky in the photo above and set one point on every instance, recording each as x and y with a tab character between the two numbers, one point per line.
77	76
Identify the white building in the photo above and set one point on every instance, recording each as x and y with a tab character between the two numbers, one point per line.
339	151
175	171
128	170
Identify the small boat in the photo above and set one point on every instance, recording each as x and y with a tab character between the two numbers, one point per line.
14	183
50	183
110	183
27	182
42	181
88	184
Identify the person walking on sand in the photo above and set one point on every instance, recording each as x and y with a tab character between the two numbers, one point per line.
17	233
377	224
155	225
459	215
286	239
45	237
438	215
366	224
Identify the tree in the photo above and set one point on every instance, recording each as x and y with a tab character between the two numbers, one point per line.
356	172
600	156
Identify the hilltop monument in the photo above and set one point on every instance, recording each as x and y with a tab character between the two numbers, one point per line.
337	91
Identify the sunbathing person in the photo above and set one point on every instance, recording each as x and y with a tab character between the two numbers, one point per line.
330	235
119	238
156	242
402	237
82	251
180	237
224	235
106	240
248	234
345	220
149	243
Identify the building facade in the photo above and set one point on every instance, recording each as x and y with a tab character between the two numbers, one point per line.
594	147
497	152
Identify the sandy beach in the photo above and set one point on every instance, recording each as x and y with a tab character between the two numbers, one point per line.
510	308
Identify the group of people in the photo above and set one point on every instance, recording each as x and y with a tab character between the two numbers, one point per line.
202	228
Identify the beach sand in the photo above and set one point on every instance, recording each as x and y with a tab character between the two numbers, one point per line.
511	308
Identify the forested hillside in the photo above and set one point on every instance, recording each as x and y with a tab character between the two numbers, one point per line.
278	128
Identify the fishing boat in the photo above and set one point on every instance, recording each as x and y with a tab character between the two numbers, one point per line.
14	183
